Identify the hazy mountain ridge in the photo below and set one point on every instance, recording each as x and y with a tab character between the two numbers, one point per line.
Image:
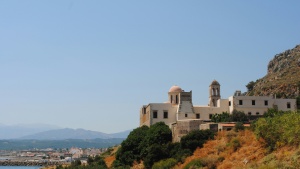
51	132
283	77
67	133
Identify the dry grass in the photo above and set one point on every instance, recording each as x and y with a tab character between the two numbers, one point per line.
109	160
230	150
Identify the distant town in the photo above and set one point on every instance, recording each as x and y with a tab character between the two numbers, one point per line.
49	156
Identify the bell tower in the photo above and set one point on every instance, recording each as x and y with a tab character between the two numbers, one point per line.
214	93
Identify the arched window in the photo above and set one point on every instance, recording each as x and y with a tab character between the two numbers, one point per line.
171	99
176	101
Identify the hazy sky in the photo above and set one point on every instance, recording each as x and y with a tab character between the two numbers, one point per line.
92	64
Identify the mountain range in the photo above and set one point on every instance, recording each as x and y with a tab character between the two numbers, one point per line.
67	133
50	132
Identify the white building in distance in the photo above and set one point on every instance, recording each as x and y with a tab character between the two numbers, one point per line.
182	116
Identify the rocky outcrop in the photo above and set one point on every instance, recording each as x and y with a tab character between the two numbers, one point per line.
283	77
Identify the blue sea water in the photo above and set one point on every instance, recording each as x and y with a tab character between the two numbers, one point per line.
20	167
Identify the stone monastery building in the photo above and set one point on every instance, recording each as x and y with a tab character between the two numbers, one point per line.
182	116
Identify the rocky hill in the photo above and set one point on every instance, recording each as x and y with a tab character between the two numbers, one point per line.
283	77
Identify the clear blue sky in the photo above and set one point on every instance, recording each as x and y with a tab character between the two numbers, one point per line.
93	64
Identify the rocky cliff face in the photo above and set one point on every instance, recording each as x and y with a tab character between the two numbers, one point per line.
283	77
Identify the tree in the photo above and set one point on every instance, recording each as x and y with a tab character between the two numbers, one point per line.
130	148
250	86
159	133
224	117
155	152
239	116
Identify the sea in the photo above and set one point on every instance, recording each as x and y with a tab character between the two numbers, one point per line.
20	167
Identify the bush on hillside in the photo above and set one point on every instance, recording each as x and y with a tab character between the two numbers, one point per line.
196	139
197	163
165	164
177	152
281	129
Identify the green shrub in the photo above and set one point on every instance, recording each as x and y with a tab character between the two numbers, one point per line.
175	151
281	129
194	164
156	152
165	164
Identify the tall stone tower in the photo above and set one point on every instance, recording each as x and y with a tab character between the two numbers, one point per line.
214	93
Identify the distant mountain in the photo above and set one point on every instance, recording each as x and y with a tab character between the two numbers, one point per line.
21	130
283	77
122	134
67	133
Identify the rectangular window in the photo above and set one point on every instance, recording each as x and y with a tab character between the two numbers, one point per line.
249	113
257	113
210	116
186	115
229	103
198	116
253	102
288	105
154	114
240	102
165	114
266	103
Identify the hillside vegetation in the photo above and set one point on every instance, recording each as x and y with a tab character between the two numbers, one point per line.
273	142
